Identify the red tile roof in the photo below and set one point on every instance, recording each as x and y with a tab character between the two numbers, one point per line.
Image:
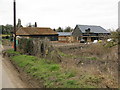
35	31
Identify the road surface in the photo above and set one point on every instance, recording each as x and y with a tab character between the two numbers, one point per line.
9	77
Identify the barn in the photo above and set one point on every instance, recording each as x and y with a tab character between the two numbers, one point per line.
89	33
37	32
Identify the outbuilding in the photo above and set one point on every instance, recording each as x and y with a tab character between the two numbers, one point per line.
37	32
65	36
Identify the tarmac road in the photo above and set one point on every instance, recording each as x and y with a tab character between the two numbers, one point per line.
9	77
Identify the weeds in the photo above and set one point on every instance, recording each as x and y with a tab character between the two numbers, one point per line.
54	75
50	73
75	56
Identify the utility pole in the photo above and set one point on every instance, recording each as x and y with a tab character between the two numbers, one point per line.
14	15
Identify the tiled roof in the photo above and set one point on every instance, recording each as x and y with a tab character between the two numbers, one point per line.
35	31
64	33
94	29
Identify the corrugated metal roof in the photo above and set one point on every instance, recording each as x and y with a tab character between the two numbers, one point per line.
35	31
64	33
94	29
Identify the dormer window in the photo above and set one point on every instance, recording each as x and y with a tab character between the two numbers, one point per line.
87	30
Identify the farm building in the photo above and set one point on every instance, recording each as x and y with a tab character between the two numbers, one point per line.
37	32
65	36
89	33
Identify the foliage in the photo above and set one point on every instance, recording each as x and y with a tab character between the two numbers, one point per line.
68	29
6	29
110	44
38	47
7	42
115	35
26	45
59	29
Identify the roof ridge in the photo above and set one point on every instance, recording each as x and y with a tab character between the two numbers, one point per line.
37	27
87	25
94	28
37	30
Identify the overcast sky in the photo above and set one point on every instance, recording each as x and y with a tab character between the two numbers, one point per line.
55	13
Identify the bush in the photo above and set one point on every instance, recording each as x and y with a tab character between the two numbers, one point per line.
26	46
110	44
38	47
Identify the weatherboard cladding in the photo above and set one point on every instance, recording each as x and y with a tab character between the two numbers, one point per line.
35	31
93	29
64	33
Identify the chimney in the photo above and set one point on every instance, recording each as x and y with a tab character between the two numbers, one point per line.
35	24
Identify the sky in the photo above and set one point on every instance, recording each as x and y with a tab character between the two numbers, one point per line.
119	14
62	13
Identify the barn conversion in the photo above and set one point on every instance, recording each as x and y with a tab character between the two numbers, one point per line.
89	33
37	32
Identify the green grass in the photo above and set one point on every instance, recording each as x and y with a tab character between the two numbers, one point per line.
0	42
11	51
24	60
91	58
74	56
3	35
71	84
52	74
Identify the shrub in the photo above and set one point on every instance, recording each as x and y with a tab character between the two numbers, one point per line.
25	46
38	47
110	44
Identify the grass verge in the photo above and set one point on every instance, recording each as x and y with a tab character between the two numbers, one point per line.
52	74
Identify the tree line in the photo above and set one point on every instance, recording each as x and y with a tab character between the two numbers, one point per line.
67	29
6	29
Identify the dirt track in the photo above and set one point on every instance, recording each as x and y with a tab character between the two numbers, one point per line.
10	77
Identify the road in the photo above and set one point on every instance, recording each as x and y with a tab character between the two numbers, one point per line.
9	76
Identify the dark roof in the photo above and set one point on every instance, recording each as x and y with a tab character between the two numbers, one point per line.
64	33
94	29
35	31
